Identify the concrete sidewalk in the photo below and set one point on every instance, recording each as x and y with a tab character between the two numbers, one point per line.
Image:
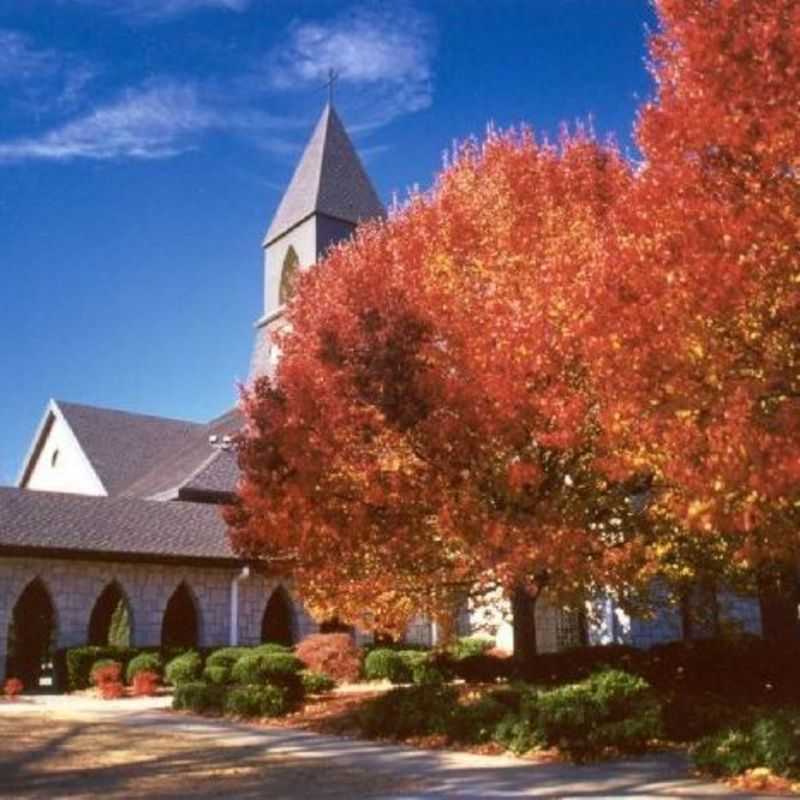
443	774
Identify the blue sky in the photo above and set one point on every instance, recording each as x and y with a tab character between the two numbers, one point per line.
144	145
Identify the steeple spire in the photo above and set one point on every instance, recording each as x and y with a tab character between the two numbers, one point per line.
329	194
329	180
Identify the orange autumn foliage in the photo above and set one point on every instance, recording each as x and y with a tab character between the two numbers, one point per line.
556	368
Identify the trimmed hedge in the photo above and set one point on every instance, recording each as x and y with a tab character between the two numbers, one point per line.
184	669
257	701
272	647
217	674
316	682
468	646
409	711
80	660
198	697
226	656
258	668
144	662
765	671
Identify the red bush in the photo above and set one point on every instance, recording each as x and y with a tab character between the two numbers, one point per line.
111	690
145	684
106	677
332	654
13	687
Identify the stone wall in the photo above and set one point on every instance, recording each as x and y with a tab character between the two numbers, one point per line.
75	585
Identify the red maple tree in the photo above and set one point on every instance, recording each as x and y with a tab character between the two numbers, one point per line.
479	394
698	359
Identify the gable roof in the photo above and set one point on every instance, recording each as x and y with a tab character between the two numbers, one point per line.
194	467
329	179
120	445
123	527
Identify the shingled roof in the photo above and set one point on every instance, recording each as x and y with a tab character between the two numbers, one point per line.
194	467
122	527
120	445
329	179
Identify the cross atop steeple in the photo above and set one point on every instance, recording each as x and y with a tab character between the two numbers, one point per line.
333	76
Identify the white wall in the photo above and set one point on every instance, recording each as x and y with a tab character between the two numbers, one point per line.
70	470
304	240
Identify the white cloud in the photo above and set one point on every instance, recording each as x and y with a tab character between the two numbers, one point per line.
155	121
162	9
20	60
388	53
40	79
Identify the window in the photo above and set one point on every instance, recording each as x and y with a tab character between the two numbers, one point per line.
291	265
54	458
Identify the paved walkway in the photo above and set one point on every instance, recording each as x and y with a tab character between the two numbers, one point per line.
438	774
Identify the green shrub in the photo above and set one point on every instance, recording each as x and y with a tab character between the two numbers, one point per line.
144	662
198	697
611	709
272	647
217	674
468	646
184	669
80	660
226	656
409	711
258	668
103	663
771	740
518	734
257	701
766	670
395	665
378	664
316	682
425	673
475	722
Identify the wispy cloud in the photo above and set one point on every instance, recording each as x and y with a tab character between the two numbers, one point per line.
155	121
21	60
153	10
40	78
159	119
388	53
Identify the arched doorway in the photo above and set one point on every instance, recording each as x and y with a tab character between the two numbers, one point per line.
276	624
32	636
110	622
180	627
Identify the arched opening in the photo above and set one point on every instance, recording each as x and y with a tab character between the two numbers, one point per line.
110	622
180	627
291	266
276	624
32	637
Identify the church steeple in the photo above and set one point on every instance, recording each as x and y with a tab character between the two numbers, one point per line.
329	179
328	195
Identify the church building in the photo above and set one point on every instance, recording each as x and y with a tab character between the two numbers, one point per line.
116	514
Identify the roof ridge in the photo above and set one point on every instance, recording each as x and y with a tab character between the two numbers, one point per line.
69	404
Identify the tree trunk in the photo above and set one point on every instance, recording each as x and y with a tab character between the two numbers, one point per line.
523	612
779	599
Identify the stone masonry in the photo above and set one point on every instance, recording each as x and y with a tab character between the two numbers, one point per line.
75	585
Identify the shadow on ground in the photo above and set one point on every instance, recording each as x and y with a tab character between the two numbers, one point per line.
158	756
